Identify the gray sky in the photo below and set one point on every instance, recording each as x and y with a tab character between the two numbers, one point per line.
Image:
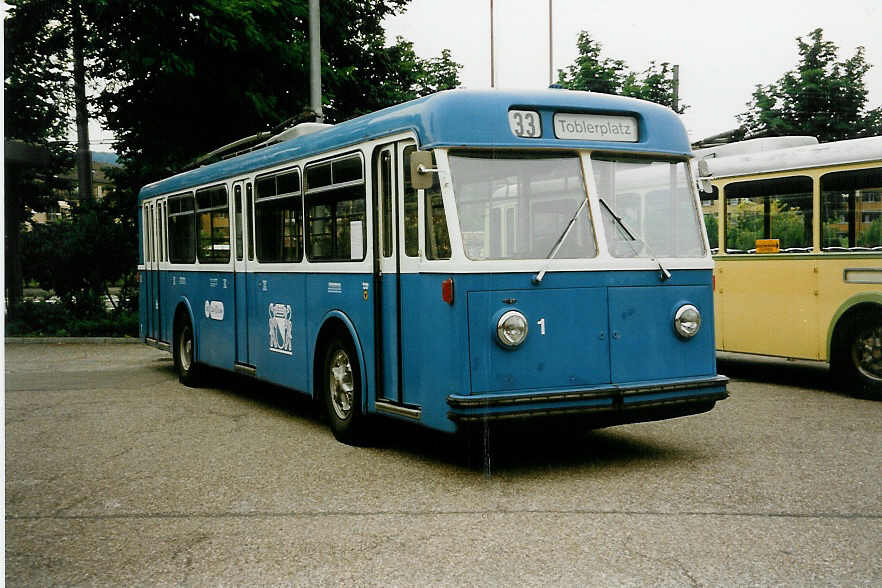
723	48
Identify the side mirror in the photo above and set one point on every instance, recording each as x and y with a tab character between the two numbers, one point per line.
704	176
421	170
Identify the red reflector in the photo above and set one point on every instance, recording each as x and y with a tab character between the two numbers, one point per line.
447	290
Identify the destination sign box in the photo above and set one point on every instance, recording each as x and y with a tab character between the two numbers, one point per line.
594	127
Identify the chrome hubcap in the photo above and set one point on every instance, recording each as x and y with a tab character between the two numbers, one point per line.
866	353
185	350
341	387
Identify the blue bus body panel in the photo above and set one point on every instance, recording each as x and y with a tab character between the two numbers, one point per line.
474	118
604	330
607	330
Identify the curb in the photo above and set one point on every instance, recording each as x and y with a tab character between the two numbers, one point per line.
70	340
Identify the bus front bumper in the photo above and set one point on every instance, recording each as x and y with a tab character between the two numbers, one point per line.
607	404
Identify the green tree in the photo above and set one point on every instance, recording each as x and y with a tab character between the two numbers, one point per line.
595	73
37	98
823	97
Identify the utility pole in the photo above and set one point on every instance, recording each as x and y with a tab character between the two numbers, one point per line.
84	155
550	47
676	88
492	54
315	60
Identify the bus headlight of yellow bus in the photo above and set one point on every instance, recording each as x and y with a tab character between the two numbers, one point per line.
511	329
687	321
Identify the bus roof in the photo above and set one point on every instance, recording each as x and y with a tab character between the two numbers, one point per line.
473	118
794	158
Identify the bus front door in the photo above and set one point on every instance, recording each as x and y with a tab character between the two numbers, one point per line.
388	283
240	278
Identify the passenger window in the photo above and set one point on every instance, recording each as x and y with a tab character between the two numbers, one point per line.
181	229
386	179
411	206
249	206
335	211
240	243
437	237
779	208
851	209
711	216
214	225
279	218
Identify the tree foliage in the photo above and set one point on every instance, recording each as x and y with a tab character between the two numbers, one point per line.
595	73
824	97
182	78
173	79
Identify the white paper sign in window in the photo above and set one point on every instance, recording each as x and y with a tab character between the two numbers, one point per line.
356	240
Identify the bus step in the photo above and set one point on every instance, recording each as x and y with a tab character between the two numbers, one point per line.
411	412
244	368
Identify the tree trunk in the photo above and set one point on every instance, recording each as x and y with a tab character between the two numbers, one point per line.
84	156
13	214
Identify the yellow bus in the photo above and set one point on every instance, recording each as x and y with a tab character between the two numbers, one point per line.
796	228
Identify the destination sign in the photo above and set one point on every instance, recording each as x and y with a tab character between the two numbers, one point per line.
595	127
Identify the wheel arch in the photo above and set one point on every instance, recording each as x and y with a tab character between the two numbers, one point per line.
184	310
856	304
336	321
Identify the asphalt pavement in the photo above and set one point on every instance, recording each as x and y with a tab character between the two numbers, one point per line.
118	475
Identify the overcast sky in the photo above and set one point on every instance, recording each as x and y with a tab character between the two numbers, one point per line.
723	48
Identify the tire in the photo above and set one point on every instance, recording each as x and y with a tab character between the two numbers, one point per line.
184	352
342	390
857	360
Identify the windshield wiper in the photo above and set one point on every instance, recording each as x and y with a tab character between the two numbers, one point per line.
664	274
537	279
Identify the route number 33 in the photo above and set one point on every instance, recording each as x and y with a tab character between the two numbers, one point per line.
525	123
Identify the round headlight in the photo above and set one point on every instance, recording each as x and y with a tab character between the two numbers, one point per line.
511	330
687	321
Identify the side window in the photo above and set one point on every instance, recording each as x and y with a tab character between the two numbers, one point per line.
237	202
387	193
335	210
711	216
851	209
249	207
214	225
437	238
148	222
779	208
162	239
411	213
279	218
181	229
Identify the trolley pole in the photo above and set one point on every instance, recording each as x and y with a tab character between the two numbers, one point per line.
315	60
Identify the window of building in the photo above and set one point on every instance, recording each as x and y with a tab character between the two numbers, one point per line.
213	218
181	229
335	210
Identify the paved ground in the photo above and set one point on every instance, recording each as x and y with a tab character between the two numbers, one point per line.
117	475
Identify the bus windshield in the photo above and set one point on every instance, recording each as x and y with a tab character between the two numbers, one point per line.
655	202
516	205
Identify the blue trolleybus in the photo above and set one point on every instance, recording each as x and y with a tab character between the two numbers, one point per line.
467	257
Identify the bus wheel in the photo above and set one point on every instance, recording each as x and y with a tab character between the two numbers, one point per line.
184	355
860	355
341	378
